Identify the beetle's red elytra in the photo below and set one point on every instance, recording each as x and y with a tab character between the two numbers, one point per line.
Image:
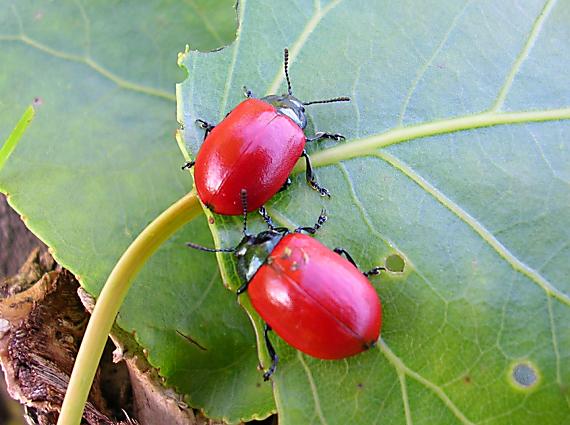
255	148
314	299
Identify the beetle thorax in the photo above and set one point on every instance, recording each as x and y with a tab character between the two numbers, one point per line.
253	251
289	106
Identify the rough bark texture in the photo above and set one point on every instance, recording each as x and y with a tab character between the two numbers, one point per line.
16	242
40	331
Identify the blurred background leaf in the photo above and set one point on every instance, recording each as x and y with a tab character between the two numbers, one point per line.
100	162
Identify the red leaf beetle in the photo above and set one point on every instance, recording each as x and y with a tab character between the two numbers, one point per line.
255	147
312	297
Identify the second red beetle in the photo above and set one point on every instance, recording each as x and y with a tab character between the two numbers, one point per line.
317	301
255	148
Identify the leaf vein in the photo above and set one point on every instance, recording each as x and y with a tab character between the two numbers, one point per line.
361	208
555	252
378	419
198	303
300	42
206	20
125	84
427	64
544	158
87	23
318	410
555	346
405	400
236	45
485	234
400	367
533	35
501	327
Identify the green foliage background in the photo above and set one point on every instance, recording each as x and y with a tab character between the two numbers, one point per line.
479	213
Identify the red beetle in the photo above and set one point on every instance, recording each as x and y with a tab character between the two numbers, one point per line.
255	148
312	297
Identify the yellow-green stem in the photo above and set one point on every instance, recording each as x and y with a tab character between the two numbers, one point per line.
112	297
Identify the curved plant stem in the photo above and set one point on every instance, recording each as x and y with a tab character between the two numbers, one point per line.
111	298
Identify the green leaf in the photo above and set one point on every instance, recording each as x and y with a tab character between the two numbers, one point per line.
100	162
457	162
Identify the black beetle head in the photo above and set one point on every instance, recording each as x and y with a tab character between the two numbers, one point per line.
253	250
289	106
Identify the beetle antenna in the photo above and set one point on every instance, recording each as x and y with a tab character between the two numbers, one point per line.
203	248
286	63
243	194
335	99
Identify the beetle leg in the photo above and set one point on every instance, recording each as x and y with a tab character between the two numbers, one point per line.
374	271
242	288
206	126
286	185
269	221
247	93
274	358
342	251
320	135
188	165
312	230
310	176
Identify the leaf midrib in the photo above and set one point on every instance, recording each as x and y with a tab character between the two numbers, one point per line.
369	145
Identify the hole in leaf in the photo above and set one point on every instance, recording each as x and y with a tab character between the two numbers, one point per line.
524	375
395	263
